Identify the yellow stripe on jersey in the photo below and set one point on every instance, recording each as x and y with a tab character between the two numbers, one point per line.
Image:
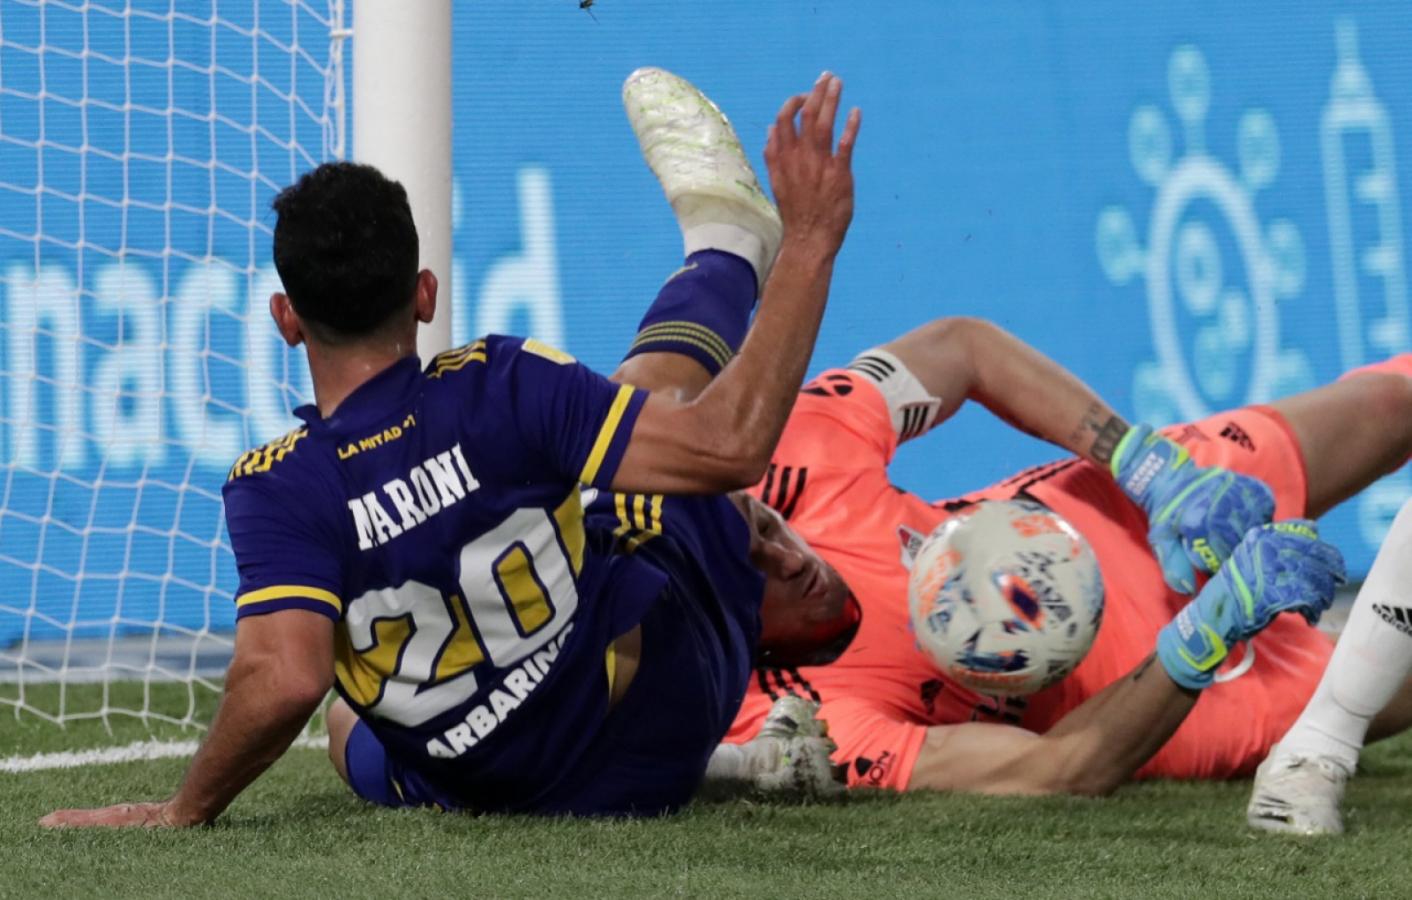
456	359
262	458
541	349
606	434
527	600
364	674
620	505
656	523
287	592
569	517
638	521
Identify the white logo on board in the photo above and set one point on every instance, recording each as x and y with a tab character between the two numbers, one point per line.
1214	273
1365	242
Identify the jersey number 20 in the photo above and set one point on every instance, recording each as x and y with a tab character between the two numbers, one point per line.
409	650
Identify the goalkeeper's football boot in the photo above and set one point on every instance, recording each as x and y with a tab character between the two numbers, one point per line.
1298	794
790	755
694	152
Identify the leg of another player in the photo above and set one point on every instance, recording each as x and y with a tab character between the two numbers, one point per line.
1394	718
680	376
340	718
1351	432
694	326
730	235
1300	785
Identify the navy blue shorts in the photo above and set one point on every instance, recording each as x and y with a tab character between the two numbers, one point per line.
650	755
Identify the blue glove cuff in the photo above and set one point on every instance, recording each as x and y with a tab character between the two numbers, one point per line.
1190	649
1140	458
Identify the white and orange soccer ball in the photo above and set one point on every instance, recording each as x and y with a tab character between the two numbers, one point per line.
1006	597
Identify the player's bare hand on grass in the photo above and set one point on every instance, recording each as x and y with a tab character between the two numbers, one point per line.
811	178
122	815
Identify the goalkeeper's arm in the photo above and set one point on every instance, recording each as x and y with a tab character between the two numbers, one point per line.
282	669
1101	743
959	358
1198	514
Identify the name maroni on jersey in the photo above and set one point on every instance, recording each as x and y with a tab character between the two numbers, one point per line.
432	485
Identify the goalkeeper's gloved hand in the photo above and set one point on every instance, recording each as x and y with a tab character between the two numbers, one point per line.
1282	567
1196	515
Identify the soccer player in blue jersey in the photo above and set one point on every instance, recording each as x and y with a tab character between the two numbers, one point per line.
421	542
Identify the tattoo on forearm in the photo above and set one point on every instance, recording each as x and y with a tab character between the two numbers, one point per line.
1142	669
1107	430
1107	440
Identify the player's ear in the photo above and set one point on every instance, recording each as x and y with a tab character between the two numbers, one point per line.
426	295
286	319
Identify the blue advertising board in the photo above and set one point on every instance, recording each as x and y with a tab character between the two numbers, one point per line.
1193	206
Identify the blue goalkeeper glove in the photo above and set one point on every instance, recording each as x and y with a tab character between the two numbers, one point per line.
1277	568
1196	515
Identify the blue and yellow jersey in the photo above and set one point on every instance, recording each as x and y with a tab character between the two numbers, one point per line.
436	517
700	543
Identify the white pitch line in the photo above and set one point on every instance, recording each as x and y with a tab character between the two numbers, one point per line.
141	751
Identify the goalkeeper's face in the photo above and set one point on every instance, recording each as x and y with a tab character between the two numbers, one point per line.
803	593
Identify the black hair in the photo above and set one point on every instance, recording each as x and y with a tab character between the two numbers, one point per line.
346	249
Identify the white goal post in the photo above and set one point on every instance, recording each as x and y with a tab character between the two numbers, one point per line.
141	142
402	125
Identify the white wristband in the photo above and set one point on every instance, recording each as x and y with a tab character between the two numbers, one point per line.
913	409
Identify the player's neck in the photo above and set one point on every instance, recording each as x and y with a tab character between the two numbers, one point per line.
339	371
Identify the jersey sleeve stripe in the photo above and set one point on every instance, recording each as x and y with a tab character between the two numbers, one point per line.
620	506
288	591
606	434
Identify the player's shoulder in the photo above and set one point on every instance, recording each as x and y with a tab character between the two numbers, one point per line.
495	349
847	393
496	358
842	403
458	359
283	458
838	384
282	479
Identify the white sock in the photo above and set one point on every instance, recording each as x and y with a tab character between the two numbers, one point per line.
708	223
1372	659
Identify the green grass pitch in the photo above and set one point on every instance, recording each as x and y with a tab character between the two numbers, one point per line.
297	832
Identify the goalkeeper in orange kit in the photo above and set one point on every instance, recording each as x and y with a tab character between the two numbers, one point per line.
901	724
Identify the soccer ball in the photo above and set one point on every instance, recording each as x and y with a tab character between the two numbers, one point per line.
1006	597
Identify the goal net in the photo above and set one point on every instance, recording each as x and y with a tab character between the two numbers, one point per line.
141	142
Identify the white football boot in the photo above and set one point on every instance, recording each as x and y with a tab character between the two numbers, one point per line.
790	755
1298	794
694	152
